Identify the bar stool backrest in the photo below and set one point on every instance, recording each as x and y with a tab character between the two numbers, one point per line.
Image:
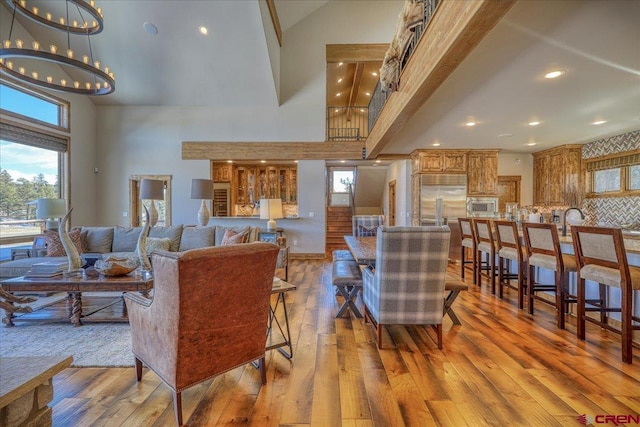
484	234
600	250
508	239
543	245
466	232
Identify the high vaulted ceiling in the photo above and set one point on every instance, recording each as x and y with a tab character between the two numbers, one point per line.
499	85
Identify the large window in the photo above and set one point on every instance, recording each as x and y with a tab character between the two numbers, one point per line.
616	175
33	144
341	182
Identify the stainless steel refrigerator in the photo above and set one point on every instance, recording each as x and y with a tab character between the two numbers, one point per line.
445	193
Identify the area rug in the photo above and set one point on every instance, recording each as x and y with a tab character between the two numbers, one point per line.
91	345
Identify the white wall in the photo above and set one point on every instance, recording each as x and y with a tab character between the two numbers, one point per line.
519	164
147	140
400	171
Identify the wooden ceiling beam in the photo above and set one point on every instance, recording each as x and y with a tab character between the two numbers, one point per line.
454	31
339	150
355	52
355	86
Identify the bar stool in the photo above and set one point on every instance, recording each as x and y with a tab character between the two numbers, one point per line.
543	251
468	242
486	244
510	249
602	258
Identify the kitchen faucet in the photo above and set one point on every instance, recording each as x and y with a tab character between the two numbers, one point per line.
564	219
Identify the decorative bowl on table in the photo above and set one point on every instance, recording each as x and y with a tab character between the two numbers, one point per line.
113	266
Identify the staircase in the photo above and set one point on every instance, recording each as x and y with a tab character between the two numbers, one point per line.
338	226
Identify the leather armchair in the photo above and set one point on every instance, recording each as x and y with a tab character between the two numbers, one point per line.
208	314
408	283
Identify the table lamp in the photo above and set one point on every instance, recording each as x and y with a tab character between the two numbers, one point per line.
202	189
51	210
271	209
152	189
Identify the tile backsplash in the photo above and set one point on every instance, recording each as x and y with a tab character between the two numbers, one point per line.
616	144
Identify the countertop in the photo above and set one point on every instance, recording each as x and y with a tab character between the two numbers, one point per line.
631	242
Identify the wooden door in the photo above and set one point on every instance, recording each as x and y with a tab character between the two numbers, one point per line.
508	190
392	203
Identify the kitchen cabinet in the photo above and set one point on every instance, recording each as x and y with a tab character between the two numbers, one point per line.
557	172
439	161
221	172
251	183
482	173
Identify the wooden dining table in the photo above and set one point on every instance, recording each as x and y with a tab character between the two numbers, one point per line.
363	249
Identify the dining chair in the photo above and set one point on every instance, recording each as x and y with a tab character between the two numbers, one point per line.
366	225
510	249
485	244
602	259
468	242
543	252
208	315
407	284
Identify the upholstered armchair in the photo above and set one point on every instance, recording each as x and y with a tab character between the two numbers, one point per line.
408	283
208	314
366	225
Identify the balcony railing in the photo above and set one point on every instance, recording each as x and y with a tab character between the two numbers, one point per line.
379	97
347	123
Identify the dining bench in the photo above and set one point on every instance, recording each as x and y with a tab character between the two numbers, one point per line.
346	276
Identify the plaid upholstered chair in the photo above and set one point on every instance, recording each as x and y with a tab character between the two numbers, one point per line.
366	225
408	284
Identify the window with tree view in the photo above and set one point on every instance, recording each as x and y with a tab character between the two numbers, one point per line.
31	159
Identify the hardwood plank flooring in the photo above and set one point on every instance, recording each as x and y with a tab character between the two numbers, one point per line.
502	366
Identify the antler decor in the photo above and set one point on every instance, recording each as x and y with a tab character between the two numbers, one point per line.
75	261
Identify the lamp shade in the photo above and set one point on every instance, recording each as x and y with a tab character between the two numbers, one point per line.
201	189
270	208
50	208
151	189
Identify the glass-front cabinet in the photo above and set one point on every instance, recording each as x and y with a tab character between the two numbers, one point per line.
252	182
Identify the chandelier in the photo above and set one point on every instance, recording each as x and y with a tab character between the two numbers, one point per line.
23	60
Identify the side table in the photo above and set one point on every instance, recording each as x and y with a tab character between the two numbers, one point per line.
282	336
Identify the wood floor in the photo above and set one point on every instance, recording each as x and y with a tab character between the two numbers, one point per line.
502	367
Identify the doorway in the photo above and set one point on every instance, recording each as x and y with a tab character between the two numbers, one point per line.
508	190
392	203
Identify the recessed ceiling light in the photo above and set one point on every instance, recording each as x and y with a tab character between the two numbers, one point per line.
337	110
368	93
378	161
470	124
150	28
504	135
554	74
340	80
229	161
436	144
203	30
295	161
362	110
531	144
263	161
374	74
534	123
338	94
343	161
599	122
375	164
340	64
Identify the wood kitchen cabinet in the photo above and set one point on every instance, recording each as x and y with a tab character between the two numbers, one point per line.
482	174
251	183
439	161
221	172
557	172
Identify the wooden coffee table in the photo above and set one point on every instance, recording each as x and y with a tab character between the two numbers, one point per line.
75	286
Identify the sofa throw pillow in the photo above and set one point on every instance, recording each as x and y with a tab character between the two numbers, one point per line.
196	237
54	245
232	238
125	239
367	231
221	230
98	239
154	244
173	232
